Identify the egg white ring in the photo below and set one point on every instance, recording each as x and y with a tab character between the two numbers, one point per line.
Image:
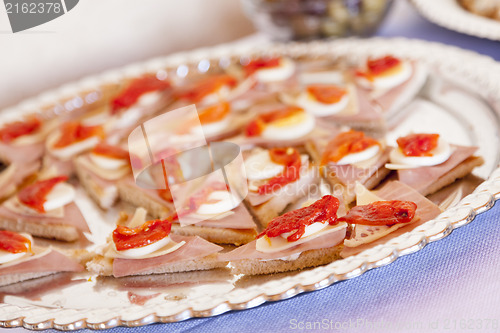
213	128
259	166
311	105
282	72
6	256
145	250
280	133
226	202
128	117
440	154
361	156
388	82
71	150
61	195
107	163
149	99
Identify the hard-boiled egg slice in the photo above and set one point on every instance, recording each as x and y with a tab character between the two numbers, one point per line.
259	166
309	230
282	72
149	99
293	127
61	195
384	81
6	256
73	149
128	117
440	154
219	95
107	163
224	202
311	105
359	156
213	128
145	250
275	244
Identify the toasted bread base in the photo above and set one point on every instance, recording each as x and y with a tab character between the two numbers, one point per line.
217	235
15	278
56	231
104	266
310	258
138	198
104	197
461	170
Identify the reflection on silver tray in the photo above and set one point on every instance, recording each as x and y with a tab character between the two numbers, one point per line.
460	101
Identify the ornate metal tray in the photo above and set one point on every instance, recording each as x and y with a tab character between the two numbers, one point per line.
461	99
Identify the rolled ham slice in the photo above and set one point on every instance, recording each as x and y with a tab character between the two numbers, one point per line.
194	248
396	98
53	261
19	174
21	154
395	190
248	251
72	217
421	178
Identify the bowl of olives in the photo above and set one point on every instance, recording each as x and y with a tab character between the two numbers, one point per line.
313	19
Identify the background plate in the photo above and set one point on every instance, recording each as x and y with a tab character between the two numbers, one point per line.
450	14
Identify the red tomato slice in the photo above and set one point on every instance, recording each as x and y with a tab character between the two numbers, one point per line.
290	158
205	87
16	129
138	87
72	132
346	143
260	63
418	144
257	126
13	242
214	113
324	210
326	93
150	232
381	213
111	151
34	195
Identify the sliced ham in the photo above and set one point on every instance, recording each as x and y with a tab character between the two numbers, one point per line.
72	217
421	178
397	97
348	174
240	219
248	251
53	261
366	111
194	248
395	190
299	186
20	173
21	154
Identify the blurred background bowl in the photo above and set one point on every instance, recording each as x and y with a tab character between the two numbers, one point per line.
286	20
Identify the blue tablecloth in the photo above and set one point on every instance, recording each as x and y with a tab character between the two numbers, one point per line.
452	285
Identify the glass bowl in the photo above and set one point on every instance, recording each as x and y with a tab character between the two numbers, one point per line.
313	19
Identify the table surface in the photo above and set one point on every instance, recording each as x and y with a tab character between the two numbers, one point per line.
451	285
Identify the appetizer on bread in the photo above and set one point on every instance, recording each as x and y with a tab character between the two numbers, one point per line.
21	260
277	177
350	157
147	247
306	237
427	162
45	209
99	171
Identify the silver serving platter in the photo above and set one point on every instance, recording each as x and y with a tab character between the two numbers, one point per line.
461	101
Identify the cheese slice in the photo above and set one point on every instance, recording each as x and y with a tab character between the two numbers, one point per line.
363	234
